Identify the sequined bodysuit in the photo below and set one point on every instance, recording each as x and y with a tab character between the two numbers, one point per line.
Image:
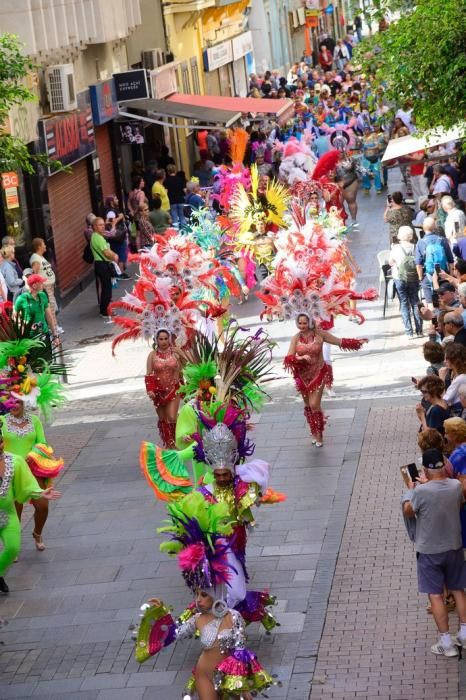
310	376
164	380
209	635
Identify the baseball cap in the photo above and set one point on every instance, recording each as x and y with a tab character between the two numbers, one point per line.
446	287
433	459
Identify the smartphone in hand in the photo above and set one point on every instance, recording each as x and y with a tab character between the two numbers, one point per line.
409	472
438	269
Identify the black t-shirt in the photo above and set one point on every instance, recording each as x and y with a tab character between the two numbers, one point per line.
175	189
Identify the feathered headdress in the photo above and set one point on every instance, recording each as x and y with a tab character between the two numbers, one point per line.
198	532
249	207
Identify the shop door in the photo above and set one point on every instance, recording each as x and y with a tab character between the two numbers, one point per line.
239	73
70	203
212	84
104	151
226	80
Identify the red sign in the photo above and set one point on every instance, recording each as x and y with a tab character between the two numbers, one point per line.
70	137
10	179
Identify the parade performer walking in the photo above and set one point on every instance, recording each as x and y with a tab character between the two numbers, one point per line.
225	668
23	434
17	485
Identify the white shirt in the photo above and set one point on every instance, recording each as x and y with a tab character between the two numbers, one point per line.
3	289
451	395
455	216
398	253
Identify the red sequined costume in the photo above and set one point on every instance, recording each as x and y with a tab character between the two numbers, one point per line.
163	383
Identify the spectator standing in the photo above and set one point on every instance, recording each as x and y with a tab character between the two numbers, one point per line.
14	282
434	410
159	218
358	27
441	183
434	354
454	325
145	228
9	240
341	55
436	504
325	58
103	267
397	214
406	280
159	189
174	184
431	250
136	197
455	221
193	197
117	232
455	374
41	266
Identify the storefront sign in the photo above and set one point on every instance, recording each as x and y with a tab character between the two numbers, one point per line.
163	82
103	101
10	179
242	45
11	197
131	85
218	56
70	137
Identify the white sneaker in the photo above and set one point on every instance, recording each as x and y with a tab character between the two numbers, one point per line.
330	393
60	330
440	650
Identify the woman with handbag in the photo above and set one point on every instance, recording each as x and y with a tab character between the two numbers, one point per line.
104	258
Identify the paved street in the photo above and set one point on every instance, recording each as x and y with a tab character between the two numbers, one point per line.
335	553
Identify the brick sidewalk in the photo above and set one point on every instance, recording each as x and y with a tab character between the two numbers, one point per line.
377	635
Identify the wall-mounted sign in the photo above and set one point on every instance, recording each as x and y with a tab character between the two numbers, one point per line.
103	101
11	198
218	56
242	45
163	82
131	132
10	179
70	137
131	85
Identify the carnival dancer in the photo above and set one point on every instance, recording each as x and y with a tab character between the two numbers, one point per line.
371	160
325	173
225	668
163	379
311	373
17	485
23	434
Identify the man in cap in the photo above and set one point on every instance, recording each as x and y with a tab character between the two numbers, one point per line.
435	501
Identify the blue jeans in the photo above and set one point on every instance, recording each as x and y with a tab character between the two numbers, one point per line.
408	294
373	168
177	214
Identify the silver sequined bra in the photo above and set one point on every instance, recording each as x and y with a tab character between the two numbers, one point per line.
209	635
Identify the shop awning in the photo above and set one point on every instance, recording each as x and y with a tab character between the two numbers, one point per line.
246	105
397	148
158	110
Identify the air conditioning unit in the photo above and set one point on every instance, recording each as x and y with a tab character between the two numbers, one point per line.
152	58
61	91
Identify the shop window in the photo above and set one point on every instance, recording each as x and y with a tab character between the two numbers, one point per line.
195	76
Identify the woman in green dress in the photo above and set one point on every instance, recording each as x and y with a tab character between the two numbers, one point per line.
21	433
17	484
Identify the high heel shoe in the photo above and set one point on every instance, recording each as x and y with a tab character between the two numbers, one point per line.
40	546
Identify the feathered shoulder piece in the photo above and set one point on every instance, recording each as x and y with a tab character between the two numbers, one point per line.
327	162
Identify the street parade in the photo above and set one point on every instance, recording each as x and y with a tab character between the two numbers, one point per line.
232	356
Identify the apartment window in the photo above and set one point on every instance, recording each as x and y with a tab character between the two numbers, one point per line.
195	76
185	78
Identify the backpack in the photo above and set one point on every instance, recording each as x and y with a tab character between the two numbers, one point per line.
407	271
435	254
87	254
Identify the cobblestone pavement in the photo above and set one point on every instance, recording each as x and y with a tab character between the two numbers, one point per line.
70	606
377	636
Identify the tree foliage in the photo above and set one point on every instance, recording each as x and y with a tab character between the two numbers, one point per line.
421	57
14	69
